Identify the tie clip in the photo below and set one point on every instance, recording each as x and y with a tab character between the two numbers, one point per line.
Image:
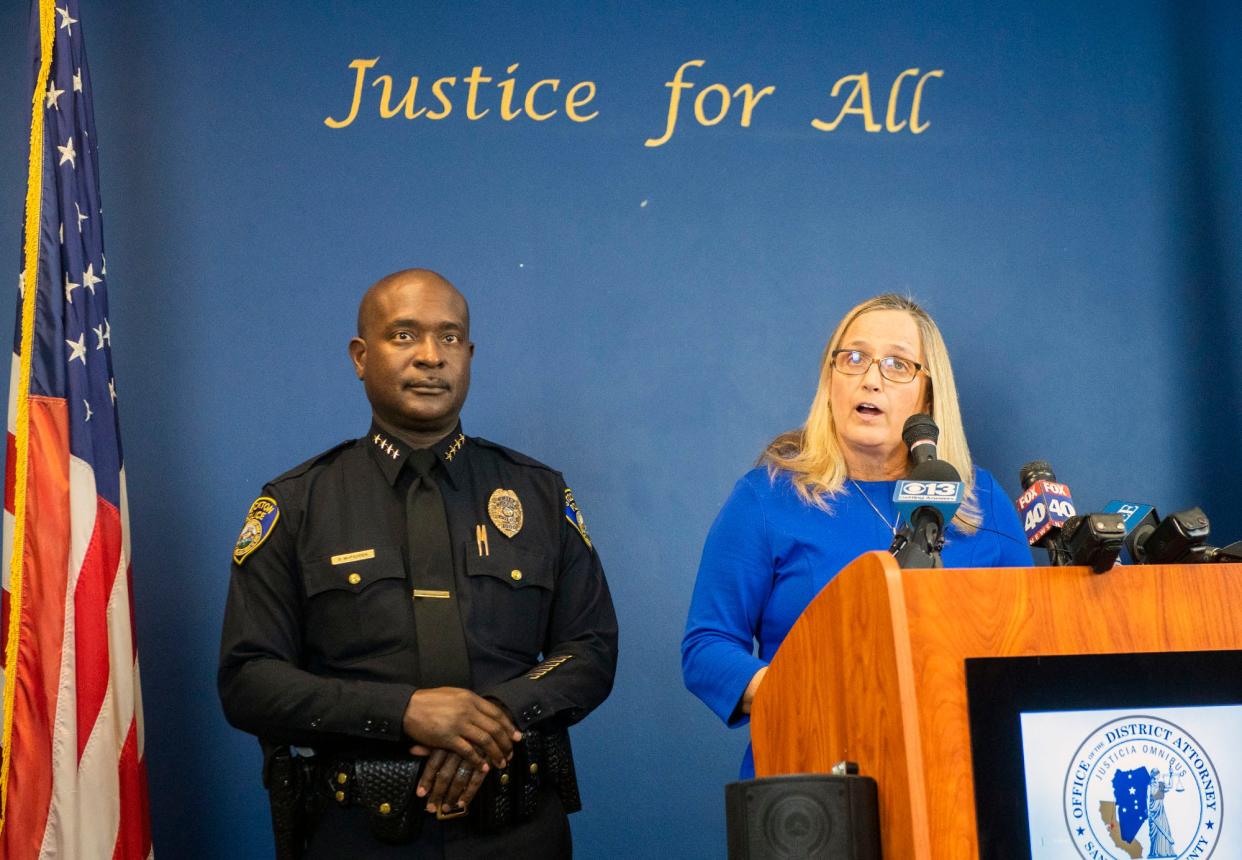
480	538
423	592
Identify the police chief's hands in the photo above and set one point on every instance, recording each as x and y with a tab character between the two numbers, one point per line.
448	782
458	721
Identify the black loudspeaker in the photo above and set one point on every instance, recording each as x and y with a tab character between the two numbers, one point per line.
804	817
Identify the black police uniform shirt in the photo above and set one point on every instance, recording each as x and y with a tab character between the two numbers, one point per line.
319	646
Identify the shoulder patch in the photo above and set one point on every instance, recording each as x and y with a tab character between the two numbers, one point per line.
575	517
260	520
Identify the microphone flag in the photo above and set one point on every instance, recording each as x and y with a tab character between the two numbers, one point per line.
1043	506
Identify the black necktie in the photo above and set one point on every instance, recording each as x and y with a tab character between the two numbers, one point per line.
442	657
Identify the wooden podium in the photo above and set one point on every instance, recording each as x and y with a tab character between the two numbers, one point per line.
874	670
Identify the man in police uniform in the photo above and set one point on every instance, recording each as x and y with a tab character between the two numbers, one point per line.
416	616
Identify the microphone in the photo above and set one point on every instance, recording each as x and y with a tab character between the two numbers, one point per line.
1139	520
1094	540
920	434
927	499
932	484
1230	554
1044	507
1180	538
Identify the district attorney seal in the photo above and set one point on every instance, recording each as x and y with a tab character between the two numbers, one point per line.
1141	786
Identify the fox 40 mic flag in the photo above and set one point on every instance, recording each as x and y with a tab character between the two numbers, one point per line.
72	773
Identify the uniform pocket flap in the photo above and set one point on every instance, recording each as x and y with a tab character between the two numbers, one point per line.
515	566
352	571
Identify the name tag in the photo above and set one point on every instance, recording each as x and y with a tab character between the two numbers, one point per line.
360	555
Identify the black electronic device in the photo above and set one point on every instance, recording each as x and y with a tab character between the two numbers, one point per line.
1231	554
1181	537
1094	540
803	816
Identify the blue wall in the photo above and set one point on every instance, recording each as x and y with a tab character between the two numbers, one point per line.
646	317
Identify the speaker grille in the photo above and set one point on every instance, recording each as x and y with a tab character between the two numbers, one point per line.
797	825
804	817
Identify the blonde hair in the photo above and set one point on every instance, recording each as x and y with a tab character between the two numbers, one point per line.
812	453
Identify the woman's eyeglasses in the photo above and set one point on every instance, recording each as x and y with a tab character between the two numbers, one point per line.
894	368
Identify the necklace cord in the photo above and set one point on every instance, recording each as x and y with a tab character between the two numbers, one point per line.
893	525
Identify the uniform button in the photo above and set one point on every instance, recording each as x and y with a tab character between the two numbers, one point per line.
354	579
384	809
367	726
340	797
534	768
515	575
383	726
504	779
342	778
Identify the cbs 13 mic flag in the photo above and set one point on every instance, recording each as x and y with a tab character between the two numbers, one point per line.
72	774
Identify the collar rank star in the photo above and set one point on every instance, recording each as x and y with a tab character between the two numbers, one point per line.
455	447
260	520
387	447
505	509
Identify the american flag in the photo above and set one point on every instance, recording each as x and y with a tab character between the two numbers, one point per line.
72	773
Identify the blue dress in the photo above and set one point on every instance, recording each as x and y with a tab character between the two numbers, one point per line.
769	553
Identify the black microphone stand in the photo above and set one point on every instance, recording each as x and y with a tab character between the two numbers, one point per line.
918	545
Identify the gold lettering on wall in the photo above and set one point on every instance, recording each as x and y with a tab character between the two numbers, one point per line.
716	94
858	103
890	118
707	103
860	92
361	67
540	101
915	127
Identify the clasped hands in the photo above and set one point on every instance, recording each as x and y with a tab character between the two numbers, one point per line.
463	736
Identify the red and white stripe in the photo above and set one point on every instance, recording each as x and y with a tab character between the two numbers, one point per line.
77	784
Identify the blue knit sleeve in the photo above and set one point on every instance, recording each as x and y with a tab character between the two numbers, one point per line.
1002	518
734	581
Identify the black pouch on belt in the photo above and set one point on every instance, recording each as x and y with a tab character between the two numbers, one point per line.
286	784
511	795
558	766
492	807
386	789
528	760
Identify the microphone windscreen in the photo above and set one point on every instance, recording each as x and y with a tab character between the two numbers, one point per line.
920	428
1036	470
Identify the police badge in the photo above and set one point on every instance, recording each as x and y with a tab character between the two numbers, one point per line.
505	509
260	519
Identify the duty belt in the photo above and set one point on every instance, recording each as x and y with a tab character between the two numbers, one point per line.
386	787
